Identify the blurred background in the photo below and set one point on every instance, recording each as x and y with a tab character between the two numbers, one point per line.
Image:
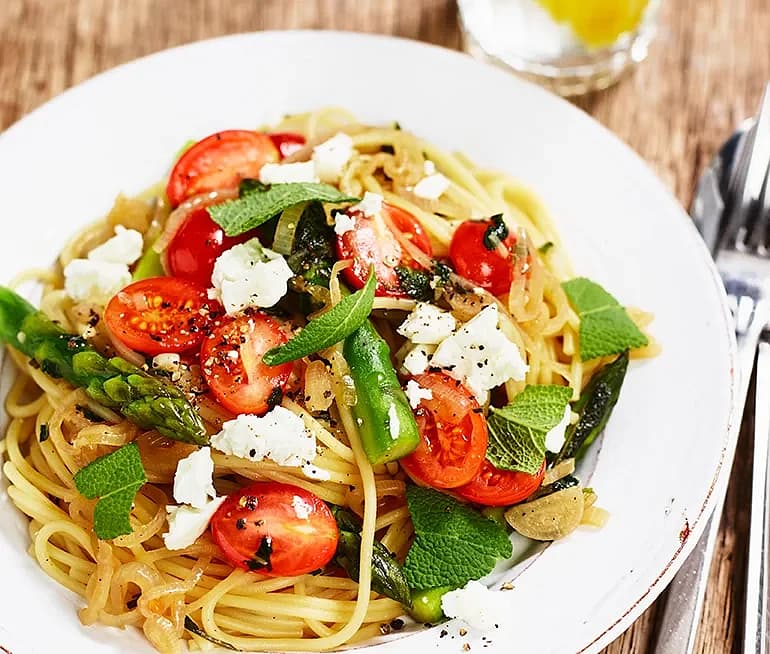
707	66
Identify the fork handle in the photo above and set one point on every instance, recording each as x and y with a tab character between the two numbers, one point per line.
755	634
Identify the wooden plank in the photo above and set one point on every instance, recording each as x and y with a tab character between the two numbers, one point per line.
706	72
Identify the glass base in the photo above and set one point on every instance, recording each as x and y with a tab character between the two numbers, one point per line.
573	73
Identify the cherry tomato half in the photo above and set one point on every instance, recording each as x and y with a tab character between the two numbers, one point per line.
453	435
287	143
231	360
221	160
276	529
194	249
494	487
490	269
371	243
161	314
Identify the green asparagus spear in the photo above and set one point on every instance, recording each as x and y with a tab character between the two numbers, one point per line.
147	401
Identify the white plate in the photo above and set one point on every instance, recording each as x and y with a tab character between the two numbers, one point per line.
661	461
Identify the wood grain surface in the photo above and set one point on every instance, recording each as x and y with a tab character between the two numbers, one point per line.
705	73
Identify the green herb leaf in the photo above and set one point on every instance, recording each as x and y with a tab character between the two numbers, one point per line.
496	233
605	327
258	205
115	479
545	247
517	431
453	543
415	283
331	327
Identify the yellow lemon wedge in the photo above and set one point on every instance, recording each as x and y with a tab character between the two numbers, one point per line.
597	23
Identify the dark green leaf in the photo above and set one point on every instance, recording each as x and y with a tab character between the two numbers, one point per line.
331	327
415	283
496	233
605	327
453	543
115	479
257	206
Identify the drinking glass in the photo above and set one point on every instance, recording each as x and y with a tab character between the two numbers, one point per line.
571	46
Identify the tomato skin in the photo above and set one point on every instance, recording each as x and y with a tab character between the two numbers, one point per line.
219	161
453	434
161	314
371	243
242	383
287	142
494	487
472	260
194	249
301	529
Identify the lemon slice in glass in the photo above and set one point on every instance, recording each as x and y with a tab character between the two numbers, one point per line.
597	23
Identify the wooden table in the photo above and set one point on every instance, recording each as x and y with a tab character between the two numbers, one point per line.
705	73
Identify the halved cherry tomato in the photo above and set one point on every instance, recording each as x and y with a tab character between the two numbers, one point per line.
194	249
371	243
471	259
231	359
453	434
494	487
275	529
221	160
161	314
287	143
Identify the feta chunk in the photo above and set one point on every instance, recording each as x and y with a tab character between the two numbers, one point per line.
95	281
279	435
167	362
125	247
431	187
330	157
301	171
476	605
186	523
193	480
480	355
429	168
417	359
416	393
370	205
343	223
427	324
554	439
248	275
394	424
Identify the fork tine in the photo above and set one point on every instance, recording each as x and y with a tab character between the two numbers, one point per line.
748	233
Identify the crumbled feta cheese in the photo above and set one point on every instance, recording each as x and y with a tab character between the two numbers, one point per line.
427	324
301	171
370	205
554	439
186	523
193	478
429	168
125	247
301	507
394	424
279	435
416	393
475	605
480	355
331	156
168	362
417	359
431	187
248	275
343	223
21	337
95	281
